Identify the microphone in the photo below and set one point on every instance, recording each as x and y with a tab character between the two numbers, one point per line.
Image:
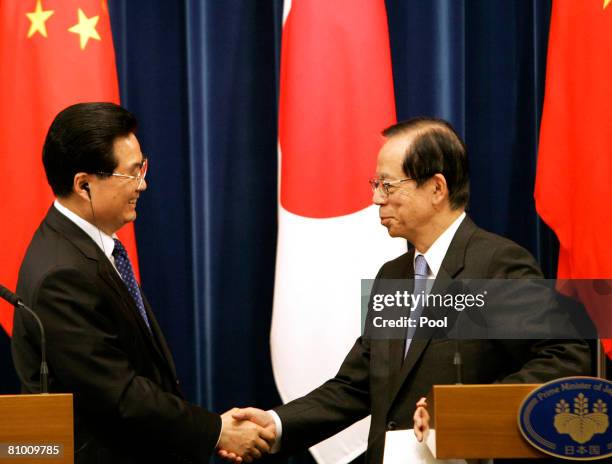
14	300
457	288
458	363
9	296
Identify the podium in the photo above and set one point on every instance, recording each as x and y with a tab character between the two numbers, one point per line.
36	429
478	422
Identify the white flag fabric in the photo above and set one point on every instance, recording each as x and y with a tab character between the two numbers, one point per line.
336	96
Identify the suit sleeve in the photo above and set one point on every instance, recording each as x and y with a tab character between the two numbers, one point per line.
85	352
333	406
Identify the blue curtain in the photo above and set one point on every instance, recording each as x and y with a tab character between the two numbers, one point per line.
481	65
202	77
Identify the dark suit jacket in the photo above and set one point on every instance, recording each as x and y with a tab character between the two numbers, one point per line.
127	402
375	379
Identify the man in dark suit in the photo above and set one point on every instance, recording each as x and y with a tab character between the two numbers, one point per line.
422	189
103	342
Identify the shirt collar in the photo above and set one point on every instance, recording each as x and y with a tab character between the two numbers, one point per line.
437	251
103	240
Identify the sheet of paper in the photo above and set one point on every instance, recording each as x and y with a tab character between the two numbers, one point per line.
402	447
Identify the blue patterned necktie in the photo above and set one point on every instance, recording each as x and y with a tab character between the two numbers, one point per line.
123	265
420	288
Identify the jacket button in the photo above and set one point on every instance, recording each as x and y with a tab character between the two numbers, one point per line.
391	425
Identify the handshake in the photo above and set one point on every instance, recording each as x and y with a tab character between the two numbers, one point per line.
249	433
246	434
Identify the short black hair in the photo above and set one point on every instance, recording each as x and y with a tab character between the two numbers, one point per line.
436	148
81	139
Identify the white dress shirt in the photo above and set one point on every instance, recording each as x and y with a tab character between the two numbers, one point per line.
103	240
437	251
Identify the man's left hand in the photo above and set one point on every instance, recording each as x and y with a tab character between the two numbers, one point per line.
421	420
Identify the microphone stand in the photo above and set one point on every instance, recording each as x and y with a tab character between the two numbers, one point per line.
14	300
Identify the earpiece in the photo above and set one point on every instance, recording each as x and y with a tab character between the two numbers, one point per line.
85	186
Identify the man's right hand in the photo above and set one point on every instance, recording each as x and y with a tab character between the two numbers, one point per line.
243	439
259	416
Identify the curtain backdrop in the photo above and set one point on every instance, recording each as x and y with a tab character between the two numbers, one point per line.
202	78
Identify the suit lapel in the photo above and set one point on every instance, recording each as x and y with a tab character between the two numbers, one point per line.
73	233
452	265
396	355
107	273
454	260
110	276
396	346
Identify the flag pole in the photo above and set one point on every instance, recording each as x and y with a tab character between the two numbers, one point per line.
601	360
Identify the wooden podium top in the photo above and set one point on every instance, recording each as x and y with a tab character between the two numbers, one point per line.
36	429
479	421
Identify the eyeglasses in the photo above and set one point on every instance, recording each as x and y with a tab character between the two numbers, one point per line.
384	187
140	177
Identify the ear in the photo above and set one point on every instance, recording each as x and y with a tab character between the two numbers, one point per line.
81	185
439	189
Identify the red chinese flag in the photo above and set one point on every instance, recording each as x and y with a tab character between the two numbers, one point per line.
574	177
53	53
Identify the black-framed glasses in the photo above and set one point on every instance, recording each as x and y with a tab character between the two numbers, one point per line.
142	173
384	186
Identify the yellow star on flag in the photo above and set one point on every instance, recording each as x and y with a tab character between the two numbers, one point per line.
606	3
37	18
86	28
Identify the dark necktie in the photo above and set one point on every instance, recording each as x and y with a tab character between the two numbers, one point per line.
420	288
123	265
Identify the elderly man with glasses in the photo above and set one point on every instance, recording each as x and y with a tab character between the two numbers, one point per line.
422	190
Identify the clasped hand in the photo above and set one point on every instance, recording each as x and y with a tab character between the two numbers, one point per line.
246	434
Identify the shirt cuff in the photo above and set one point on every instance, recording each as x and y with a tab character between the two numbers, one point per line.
220	432
279	432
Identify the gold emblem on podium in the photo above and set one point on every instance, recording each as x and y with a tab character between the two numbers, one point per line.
581	425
